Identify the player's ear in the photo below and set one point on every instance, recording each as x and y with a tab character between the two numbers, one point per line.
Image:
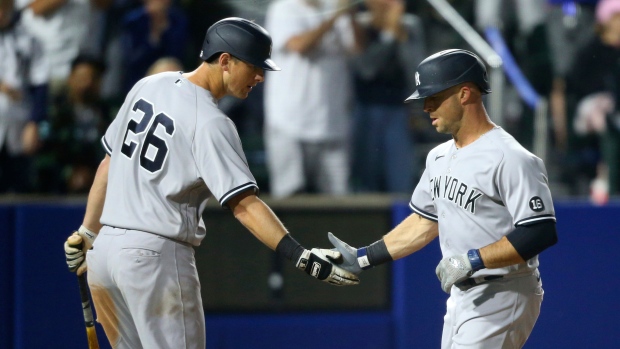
467	94
224	60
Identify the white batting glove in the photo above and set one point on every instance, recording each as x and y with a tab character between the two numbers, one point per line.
457	268
76	258
317	263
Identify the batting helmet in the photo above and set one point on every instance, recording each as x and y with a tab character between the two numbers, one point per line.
449	68
241	38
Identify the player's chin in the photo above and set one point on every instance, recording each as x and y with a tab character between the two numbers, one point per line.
439	128
242	94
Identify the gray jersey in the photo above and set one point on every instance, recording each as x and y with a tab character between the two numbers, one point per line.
171	149
479	193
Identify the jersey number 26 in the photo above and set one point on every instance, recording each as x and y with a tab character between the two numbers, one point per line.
154	149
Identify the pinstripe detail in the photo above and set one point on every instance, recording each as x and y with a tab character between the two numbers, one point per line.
535	219
424	214
236	191
106	146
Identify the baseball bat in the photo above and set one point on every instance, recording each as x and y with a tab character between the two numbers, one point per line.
91	332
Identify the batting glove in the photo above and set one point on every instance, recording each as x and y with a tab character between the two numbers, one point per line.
317	263
349	255
458	268
76	258
356	260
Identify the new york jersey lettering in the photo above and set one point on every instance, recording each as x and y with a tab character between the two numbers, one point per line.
452	189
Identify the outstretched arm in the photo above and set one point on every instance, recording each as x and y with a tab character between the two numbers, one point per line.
260	220
410	236
406	238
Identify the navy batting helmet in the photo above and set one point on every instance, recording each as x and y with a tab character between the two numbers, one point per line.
241	38
446	69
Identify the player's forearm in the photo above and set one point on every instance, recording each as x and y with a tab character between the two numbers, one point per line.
306	41
410	236
45	7
96	197
359	36
260	220
500	254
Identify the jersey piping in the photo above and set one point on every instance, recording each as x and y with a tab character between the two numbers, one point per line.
423	213
536	219
106	146
231	193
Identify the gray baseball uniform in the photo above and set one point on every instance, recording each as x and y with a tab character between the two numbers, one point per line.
478	194
173	163
163	169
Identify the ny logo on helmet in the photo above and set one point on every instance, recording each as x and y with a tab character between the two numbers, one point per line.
417	79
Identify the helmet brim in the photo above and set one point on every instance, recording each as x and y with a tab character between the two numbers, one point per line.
414	96
269	64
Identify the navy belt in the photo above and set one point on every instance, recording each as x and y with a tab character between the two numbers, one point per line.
471	282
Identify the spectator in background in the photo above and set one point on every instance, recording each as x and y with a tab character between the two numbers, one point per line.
62	28
440	35
202	14
71	138
111	28
570	25
155	30
383	147
594	82
165	64
23	99
523	26
307	104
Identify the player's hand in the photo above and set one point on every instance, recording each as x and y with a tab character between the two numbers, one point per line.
76	257
349	255
452	270
317	263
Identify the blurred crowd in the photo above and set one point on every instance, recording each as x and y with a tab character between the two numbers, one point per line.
333	120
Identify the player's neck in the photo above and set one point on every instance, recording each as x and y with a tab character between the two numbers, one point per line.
472	131
204	77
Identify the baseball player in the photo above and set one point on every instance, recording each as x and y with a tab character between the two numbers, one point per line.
487	198
168	151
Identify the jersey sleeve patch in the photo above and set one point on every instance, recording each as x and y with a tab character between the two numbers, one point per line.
536	204
422	213
535	219
106	146
231	193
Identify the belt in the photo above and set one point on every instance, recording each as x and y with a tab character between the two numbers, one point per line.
471	282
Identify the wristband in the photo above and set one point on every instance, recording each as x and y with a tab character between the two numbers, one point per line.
373	255
88	233
289	248
475	260
362	258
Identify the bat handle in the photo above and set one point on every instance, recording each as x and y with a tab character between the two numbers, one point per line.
88	313
76	241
